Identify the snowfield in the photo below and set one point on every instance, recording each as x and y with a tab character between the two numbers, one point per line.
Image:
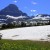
29	33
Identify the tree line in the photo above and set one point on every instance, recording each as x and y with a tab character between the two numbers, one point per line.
10	25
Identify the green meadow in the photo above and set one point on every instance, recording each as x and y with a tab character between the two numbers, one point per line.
24	45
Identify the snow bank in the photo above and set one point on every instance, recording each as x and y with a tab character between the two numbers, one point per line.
30	33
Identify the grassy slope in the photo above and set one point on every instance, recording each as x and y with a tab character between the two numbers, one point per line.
23	45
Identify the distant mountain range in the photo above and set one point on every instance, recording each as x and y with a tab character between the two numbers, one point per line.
42	17
12	13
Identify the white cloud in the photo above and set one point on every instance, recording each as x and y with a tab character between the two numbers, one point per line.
15	1
34	3
33	10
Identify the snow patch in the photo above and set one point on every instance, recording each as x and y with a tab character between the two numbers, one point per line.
30	33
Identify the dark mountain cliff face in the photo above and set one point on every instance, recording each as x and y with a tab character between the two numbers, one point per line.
12	10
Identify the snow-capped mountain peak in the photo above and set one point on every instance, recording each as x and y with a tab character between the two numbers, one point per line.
42	17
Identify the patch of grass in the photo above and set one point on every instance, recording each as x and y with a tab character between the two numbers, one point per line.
23	45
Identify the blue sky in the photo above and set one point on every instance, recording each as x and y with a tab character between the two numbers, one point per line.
31	7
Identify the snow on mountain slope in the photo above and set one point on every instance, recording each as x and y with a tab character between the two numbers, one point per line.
42	18
30	33
16	17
